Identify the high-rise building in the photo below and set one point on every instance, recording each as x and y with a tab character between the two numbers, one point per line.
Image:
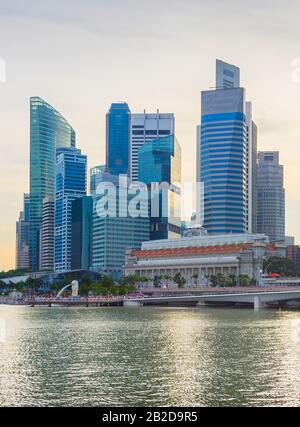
113	234
227	75
48	130
96	176
117	139
47	235
145	127
82	222
22	235
70	184
270	196
222	155
160	163
251	179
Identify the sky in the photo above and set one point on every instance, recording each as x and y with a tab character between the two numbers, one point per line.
80	56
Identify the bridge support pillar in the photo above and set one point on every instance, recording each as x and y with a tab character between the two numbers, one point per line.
258	304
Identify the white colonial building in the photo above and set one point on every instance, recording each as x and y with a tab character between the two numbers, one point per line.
203	256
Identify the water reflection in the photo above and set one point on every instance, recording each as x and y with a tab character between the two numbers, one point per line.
148	356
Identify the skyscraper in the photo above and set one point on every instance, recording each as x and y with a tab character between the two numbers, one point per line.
70	184
251	194
117	139
113	234
227	75
160	162
48	130
96	174
222	154
145	127
22	235
82	223
47	235
270	196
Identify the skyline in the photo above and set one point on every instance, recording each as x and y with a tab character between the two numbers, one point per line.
87	95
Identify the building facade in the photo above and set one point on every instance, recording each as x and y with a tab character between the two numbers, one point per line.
96	176
227	75
160	169
117	139
115	231
47	235
203	256
48	130
82	223
251	176
71	167
22	235
270	196
145	127
222	156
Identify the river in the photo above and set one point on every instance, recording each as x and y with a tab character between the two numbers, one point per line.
148	357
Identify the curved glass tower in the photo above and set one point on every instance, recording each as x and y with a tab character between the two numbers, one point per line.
48	130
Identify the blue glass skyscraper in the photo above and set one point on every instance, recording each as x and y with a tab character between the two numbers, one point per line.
48	131
71	168
117	138
222	156
160	162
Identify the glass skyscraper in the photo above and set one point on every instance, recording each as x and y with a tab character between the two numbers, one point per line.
117	139
48	130
82	222
70	184
222	160
113	234
270	196
160	162
22	235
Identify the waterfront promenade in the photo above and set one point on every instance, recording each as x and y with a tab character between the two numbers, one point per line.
161	296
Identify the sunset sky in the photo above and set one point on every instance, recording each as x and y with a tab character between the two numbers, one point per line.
80	56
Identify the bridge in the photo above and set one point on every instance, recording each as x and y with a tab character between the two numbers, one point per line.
258	298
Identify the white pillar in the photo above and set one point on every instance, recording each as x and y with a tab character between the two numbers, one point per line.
258	304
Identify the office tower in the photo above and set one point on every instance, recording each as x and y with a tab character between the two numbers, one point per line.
70	184
22	235
251	177
96	174
82	222
47	235
113	234
222	156
270	196
146	127
227	75
160	162
48	131
117	139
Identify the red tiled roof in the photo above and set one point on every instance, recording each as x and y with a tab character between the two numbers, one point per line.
221	249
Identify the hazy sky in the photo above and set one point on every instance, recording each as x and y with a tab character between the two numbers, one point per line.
82	55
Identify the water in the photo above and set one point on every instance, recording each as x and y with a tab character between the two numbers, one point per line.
148	356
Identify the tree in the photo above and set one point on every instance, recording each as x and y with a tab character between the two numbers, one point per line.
86	279
157	281
179	280
282	266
